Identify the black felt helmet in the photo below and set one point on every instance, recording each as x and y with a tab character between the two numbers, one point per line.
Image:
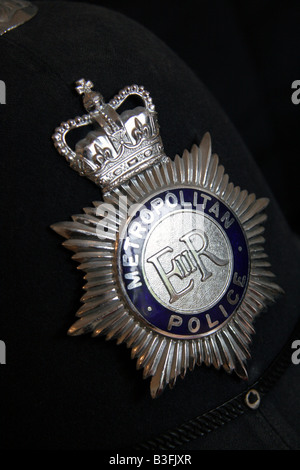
83	393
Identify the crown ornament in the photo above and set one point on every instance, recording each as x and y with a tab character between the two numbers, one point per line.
120	145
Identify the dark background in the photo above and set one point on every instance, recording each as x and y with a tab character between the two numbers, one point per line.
248	55
59	393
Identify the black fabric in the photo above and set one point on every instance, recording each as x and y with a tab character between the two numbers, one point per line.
246	53
59	392
270	429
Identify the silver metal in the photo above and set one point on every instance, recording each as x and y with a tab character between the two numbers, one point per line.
186	256
252	399
178	230
121	145
14	13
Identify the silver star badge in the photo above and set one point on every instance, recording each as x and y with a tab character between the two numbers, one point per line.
173	256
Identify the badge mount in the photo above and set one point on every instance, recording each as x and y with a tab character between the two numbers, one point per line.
173	255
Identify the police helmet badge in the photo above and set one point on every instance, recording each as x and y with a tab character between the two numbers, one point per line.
173	256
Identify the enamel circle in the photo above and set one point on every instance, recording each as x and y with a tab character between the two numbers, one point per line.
191	272
173	256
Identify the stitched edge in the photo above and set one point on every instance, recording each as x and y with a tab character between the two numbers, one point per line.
217	417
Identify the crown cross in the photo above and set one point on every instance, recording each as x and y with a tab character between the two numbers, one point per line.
121	145
84	86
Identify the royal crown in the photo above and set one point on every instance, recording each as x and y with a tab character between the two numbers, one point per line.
120	145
